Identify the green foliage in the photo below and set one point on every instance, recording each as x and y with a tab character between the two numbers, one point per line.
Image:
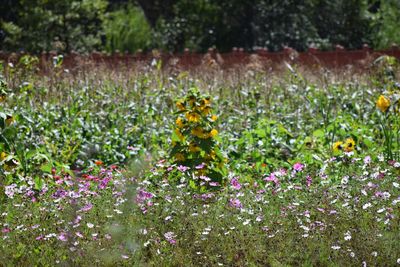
341	22
126	29
55	25
385	24
284	23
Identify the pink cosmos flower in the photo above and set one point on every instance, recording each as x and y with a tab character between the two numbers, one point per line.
235	203
298	167
214	184
182	168
62	237
308	180
235	183
272	178
201	166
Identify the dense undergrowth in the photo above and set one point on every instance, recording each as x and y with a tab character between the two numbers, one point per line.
238	167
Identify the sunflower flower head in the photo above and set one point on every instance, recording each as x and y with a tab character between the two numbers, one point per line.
192	117
180	105
337	146
179	122
213	133
349	144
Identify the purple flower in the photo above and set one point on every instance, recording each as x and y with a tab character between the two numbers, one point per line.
367	160
170	237
308	180
5	230
87	207
214	184
235	203
143	195
298	167
62	237
272	178
182	168
201	166
235	183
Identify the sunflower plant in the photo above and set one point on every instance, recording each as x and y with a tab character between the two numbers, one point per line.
195	141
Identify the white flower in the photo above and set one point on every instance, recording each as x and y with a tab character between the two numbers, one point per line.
90	225
396	184
347	236
246	222
366	206
335	247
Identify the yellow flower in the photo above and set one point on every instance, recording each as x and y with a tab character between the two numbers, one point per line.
337	146
213	133
179	134
198	131
194	148
179	157
206	110
180	105
192	117
214	117
179	122
349	145
9	120
3	156
383	103
2	98
192	100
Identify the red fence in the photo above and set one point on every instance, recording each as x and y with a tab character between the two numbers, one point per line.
313	57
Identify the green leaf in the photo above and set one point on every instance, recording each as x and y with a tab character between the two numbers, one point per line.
319	133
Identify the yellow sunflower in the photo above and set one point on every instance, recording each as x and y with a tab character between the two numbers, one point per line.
180	105
337	146
192	117
179	122
349	145
213	133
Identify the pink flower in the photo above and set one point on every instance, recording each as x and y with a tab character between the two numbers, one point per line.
235	203
87	207
62	237
272	178
201	166
367	160
235	183
182	168
298	167
5	230
308	180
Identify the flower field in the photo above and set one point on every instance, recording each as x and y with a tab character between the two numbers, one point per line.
165	167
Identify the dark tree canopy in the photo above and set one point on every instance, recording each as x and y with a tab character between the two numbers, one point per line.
85	25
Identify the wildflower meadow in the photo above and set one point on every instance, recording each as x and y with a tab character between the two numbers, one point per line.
154	166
